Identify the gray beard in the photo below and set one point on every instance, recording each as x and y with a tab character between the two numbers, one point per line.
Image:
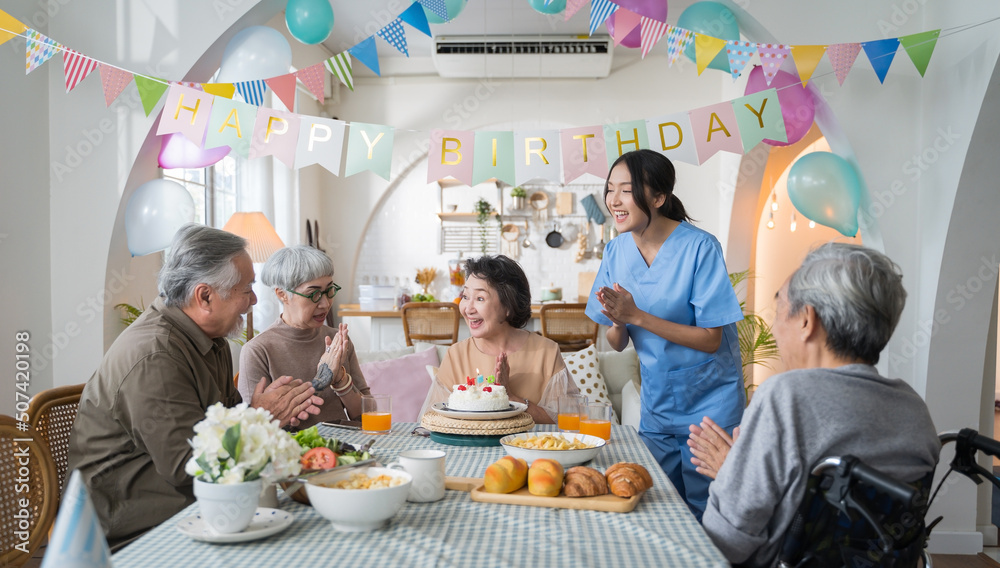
237	331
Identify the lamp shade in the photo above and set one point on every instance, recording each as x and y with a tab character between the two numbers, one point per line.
255	228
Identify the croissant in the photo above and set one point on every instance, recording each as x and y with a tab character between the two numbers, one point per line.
628	479
585	482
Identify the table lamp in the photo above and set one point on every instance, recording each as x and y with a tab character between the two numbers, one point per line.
262	242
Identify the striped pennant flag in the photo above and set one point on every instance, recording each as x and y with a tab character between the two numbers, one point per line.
437	6
394	34
599	11
677	41
252	91
114	81
76	68
572	7
313	79
38	50
651	31
340	65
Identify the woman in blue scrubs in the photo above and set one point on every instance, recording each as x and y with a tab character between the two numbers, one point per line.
663	284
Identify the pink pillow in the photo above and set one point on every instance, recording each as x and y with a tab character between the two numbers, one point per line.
405	378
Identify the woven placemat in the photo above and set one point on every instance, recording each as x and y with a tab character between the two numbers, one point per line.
515	424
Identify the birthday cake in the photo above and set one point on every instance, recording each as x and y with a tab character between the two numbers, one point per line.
482	396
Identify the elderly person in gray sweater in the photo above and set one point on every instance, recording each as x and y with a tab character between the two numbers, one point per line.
834	316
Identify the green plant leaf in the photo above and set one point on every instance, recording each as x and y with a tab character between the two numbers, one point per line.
254	474
231	442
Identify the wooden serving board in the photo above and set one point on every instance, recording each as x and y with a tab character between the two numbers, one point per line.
474	485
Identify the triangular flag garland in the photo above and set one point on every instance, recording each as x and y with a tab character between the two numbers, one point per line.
920	47
252	91
600	10
572	7
677	41
650	32
76	68
739	54
38	50
150	91
842	57
394	34
284	87
881	53
807	57
772	55
705	50
417	18
313	78
114	81
226	90
9	27
340	65
367	54
438	7
625	22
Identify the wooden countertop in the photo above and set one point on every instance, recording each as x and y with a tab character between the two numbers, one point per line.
354	310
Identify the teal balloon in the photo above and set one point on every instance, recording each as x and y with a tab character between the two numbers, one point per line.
825	188
711	19
309	21
455	8
554	7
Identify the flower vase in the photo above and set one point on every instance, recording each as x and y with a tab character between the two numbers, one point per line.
227	509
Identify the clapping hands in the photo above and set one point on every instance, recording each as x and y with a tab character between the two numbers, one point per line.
617	304
710	444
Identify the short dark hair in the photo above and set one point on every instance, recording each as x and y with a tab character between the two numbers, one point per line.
506	277
654	172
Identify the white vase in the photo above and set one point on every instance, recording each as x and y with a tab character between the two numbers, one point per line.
227	509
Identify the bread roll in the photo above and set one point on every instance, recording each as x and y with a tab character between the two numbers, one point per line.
585	482
628	479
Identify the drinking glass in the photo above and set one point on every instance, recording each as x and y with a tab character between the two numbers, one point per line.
596	420
376	413
571	406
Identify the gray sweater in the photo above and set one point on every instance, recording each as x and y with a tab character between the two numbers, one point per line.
794	420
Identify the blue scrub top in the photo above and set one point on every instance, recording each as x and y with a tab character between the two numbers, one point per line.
688	284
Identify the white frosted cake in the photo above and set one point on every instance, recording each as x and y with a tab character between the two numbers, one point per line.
484	397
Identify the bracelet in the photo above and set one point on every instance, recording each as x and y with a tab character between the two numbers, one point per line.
347	387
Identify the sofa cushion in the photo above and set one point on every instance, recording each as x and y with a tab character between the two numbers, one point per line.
405	378
584	368
619	369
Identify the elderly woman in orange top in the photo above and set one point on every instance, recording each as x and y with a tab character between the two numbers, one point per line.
496	305
300	343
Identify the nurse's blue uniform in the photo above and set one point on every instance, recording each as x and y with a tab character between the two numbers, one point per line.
688	284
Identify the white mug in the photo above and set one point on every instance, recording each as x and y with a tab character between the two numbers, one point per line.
427	469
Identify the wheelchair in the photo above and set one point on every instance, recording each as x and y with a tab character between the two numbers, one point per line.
855	516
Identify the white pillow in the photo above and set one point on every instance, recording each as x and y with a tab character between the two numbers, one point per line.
619	368
585	371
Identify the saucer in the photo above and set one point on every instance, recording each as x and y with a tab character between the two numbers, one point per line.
266	522
514	409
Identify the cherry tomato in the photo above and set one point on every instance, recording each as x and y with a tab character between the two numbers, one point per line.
319	458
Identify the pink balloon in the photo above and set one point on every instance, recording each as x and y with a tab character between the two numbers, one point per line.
655	9
797	106
179	152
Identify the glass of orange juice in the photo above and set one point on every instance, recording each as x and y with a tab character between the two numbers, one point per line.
596	420
571	406
376	413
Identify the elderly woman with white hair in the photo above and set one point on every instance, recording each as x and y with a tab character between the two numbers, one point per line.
299	343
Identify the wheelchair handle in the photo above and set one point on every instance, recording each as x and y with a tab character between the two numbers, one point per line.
972	438
873	478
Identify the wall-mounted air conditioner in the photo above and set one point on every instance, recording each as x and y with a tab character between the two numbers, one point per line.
523	56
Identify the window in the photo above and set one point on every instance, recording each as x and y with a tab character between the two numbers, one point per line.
215	189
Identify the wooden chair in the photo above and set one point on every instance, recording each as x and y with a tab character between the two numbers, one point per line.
434	322
24	452
568	325
52	413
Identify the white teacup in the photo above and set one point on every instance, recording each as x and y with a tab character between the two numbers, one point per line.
427	469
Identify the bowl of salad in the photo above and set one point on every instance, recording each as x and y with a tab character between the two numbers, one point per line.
319	453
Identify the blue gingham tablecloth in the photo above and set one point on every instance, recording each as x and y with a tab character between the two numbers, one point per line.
457	531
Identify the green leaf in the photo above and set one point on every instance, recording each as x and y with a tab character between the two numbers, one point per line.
231	442
252	475
204	465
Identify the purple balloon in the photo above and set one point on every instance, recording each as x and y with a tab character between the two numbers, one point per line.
797	106
179	152
655	9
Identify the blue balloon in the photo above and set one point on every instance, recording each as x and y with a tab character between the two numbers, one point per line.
455	8
711	19
153	214
825	188
554	7
309	21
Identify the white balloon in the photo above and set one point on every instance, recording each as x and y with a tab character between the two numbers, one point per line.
155	211
258	52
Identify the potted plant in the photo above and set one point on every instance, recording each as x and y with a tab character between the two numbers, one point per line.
484	211
519	197
757	344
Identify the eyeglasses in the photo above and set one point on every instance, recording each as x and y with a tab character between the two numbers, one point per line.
315	295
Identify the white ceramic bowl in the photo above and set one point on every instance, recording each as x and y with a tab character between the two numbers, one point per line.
567	458
358	510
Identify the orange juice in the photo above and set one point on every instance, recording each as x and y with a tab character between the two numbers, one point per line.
599	428
378	421
569	422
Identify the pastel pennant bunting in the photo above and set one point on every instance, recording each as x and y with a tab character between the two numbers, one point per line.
395	35
192	84
417	18
77	540
625	22
76	68
806	58
650	32
677	41
672	136
252	91
38	50
321	141
284	87
11	23
231	124
494	157
186	111
600	10
536	155
452	153
624	137
583	152
572	7
369	147
340	66
772	55
366	53
881	53
226	90
438	7
275	133
314	78
842	56
739	54
715	129
705	49
920	47
758	117
150	91
114	81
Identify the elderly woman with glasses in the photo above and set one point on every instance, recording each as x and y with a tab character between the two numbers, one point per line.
299	343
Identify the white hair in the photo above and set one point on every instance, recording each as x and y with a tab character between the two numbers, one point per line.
290	267
199	255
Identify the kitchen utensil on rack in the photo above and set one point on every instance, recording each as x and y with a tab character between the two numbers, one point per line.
510	233
554	239
526	243
539	201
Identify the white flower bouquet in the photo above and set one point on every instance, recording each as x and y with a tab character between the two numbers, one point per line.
233	445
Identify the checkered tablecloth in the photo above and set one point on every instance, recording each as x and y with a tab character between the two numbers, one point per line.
457	531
